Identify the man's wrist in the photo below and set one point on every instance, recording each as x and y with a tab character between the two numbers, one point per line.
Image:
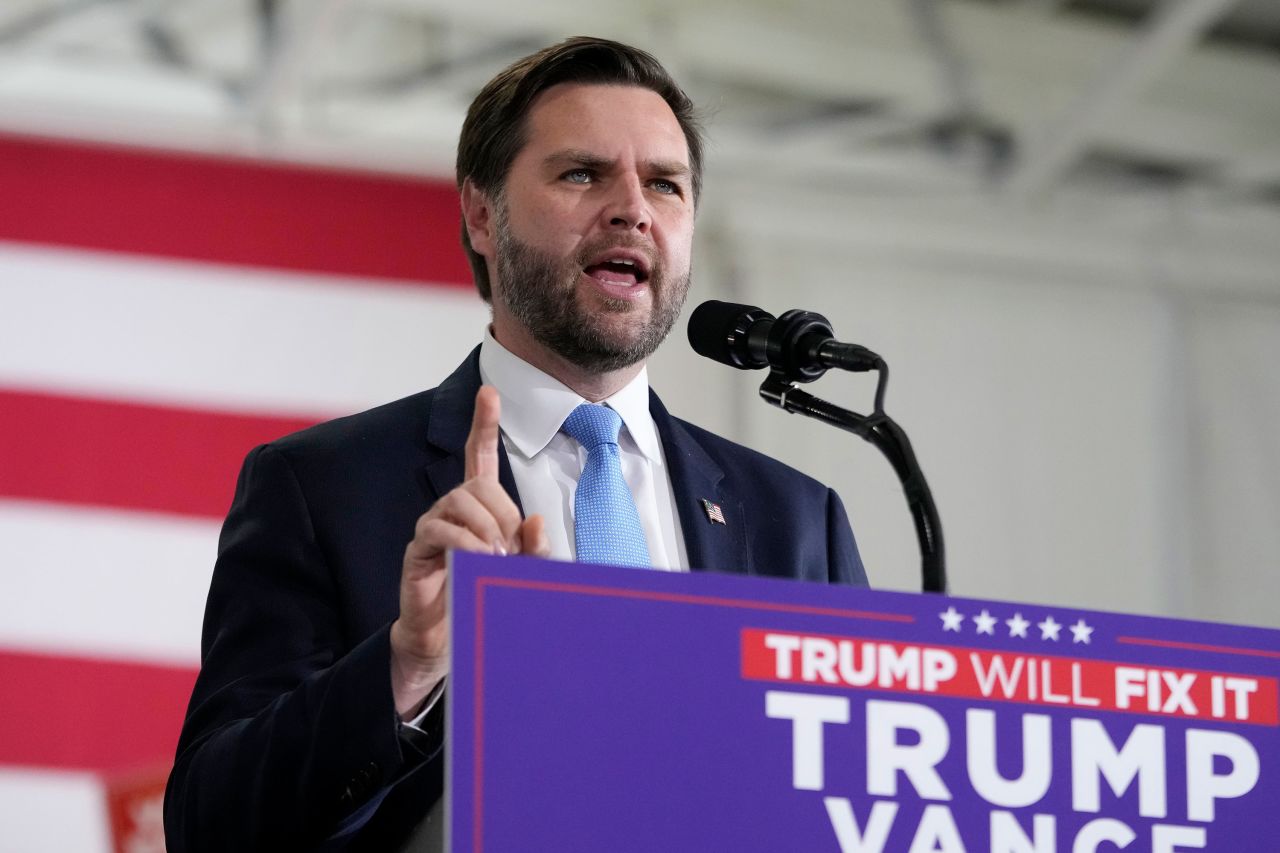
422	737
425	710
414	678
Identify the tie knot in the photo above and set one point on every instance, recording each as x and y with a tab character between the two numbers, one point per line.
591	425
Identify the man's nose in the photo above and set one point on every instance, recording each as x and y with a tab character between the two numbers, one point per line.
627	207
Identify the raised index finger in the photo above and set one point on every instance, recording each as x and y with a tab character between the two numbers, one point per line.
482	443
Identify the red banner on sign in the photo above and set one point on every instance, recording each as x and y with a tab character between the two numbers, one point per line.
859	662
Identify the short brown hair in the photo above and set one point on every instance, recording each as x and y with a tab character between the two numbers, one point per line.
494	130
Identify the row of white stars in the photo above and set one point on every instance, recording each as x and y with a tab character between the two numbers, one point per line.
985	623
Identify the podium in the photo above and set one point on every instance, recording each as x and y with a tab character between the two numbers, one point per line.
606	709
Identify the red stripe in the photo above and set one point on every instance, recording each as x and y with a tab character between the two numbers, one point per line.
1199	647
127	455
683	598
230	211
85	714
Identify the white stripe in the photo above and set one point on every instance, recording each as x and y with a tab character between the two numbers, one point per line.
224	337
104	582
45	811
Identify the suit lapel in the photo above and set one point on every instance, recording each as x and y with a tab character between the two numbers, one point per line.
695	477
448	425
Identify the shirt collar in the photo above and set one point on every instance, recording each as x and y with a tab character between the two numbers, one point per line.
535	404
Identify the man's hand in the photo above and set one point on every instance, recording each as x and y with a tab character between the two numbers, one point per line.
478	516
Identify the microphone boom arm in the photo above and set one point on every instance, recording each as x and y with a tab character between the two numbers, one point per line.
883	432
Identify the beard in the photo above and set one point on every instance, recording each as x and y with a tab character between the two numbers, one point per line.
541	292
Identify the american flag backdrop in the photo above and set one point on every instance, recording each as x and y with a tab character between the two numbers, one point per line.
160	314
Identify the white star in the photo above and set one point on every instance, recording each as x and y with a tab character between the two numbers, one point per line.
986	622
1049	629
1080	632
951	619
1017	625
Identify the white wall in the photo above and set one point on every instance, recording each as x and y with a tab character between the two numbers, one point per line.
1089	386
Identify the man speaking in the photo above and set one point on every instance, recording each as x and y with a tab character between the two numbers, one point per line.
316	722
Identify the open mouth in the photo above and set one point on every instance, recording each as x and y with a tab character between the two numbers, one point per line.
624	270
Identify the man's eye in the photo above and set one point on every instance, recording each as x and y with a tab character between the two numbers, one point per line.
578	176
666	187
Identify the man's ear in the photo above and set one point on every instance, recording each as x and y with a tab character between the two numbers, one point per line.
478	218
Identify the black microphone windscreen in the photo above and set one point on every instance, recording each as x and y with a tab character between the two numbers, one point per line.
718	331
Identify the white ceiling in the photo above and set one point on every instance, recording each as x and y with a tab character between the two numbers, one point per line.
1021	96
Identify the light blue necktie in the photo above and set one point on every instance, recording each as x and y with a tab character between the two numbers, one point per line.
606	526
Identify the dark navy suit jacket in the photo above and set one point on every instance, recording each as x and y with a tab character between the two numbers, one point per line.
291	740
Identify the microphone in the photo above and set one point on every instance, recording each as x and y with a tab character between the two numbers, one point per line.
799	344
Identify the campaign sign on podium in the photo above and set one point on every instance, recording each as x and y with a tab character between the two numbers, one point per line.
614	709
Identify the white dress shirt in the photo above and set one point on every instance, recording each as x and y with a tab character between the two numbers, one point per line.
546	463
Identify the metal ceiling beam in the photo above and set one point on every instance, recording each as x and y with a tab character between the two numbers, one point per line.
955	78
33	23
1172	30
742	58
288	44
1046	7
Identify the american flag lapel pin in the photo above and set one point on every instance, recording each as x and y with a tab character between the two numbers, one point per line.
715	515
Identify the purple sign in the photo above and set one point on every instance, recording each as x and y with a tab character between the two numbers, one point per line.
627	710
